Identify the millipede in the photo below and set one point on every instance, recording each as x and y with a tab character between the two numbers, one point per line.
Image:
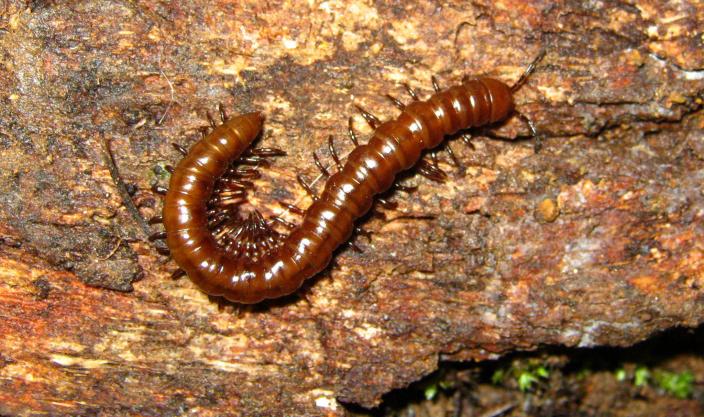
245	260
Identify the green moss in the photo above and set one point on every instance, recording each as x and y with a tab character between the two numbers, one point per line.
641	376
680	384
430	391
498	376
529	376
526	374
432	387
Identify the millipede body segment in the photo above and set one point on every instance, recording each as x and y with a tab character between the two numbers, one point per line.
281	265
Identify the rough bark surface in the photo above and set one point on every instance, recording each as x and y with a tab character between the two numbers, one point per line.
596	240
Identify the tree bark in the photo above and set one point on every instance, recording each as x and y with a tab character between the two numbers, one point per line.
594	240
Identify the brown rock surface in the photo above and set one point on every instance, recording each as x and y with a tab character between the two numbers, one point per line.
463	270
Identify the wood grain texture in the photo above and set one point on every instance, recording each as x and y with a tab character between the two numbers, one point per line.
594	241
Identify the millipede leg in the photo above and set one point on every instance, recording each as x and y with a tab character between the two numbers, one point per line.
158	189
283	222
372	120
333	153
387	205
355	247
221	110
320	166
178	273
232	183
538	145
235	192
304	296
251	159
217	220
258	156
528	71
267	152
434	158
156	220
225	202
405	188
211	121
456	162
396	102
246	173
180	149
257	219
431	172
467	139
350	131
434	81
292	208
220	302
169	169
411	92
457	34
366	233
306	187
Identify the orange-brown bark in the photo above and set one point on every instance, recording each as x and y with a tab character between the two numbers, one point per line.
466	270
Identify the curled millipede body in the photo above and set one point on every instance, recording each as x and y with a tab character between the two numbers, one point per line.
257	263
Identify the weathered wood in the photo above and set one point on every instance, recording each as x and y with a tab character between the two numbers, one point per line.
596	240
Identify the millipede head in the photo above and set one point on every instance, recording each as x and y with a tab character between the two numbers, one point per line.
501	99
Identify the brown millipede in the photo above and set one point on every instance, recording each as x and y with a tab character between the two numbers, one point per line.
247	261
